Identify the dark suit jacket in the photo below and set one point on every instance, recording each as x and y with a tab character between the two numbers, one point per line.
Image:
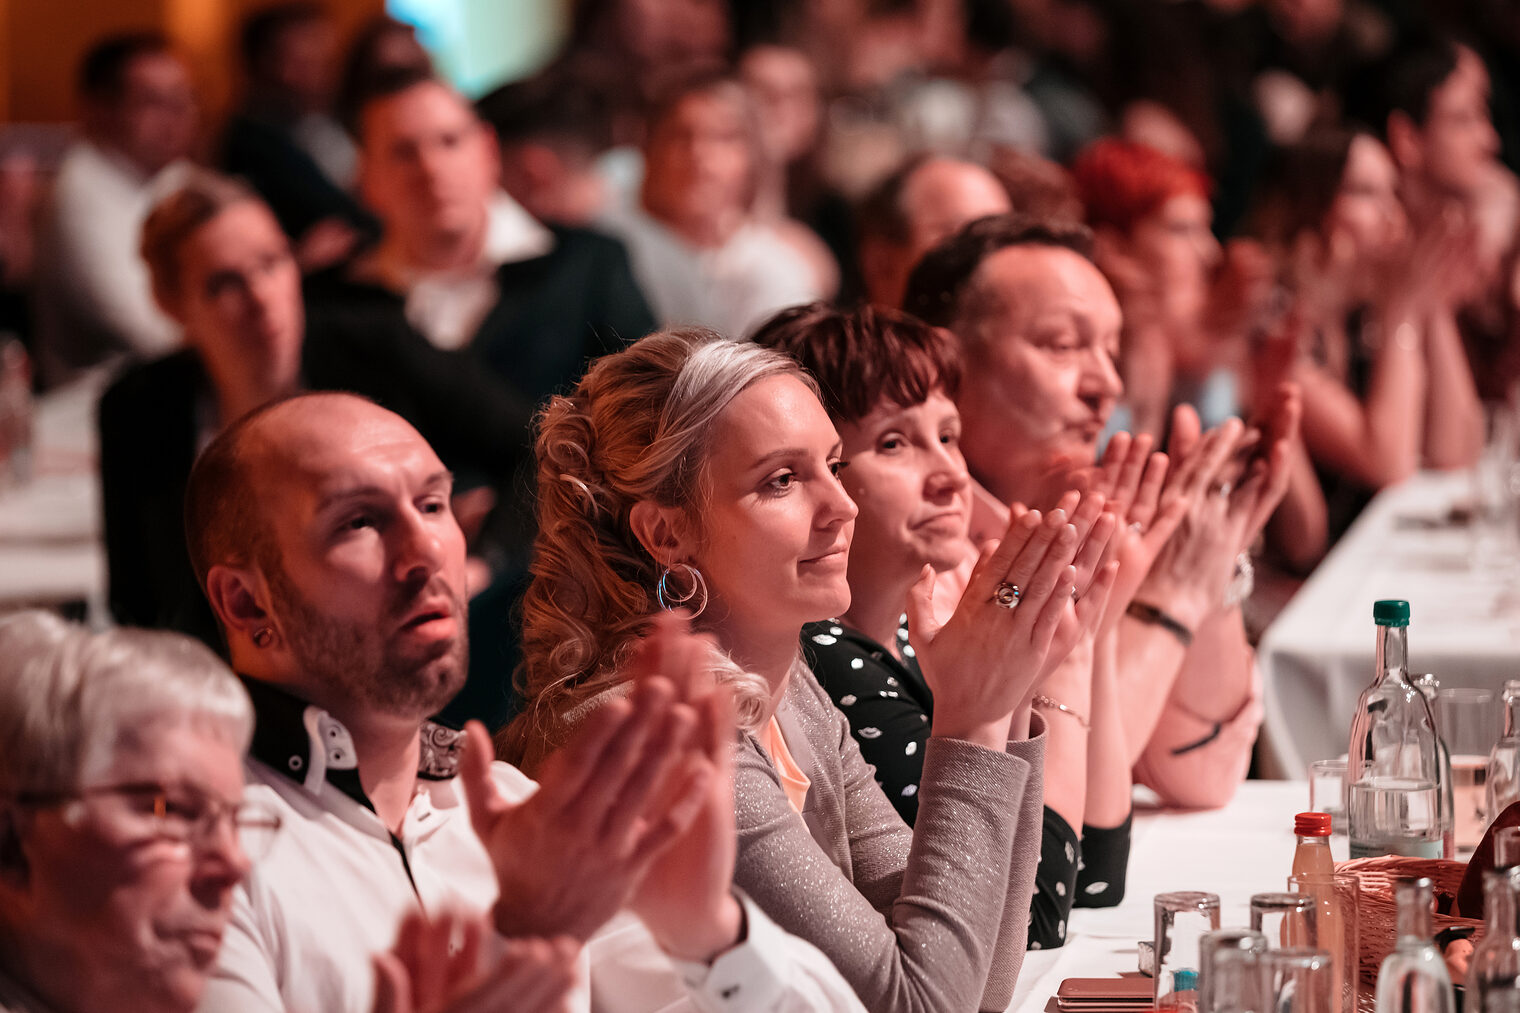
298	192
555	314
148	435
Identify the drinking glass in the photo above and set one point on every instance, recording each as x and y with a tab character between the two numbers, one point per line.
1327	792
1394	816
1338	928
1506	847
1494	530
1468	723
1286	919
1231	976
1182	918
1301	980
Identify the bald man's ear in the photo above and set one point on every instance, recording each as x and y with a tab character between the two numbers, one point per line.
662	531
240	598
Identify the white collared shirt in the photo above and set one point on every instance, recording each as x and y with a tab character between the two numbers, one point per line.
335	886
91	279
731	288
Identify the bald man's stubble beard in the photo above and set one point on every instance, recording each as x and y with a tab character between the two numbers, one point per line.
358	663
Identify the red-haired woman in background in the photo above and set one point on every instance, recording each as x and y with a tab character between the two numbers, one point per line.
1191	312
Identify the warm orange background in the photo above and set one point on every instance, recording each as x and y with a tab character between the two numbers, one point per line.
41	42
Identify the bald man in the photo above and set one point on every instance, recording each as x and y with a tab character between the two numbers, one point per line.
912	210
321	531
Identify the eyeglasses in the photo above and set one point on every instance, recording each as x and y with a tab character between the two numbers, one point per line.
181	814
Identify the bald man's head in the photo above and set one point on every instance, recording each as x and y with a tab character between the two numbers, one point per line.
226	518
926	201
321	529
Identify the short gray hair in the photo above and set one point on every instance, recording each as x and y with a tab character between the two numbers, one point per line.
69	698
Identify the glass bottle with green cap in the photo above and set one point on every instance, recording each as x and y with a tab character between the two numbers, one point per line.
1394	778
1503	787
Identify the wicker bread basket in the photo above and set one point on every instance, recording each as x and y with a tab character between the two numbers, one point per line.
1377	912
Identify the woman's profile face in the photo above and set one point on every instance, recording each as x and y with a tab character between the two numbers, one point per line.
776	522
909	481
1177	243
1366	222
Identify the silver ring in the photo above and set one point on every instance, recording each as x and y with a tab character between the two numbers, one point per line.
1137	528
1224	488
1006	595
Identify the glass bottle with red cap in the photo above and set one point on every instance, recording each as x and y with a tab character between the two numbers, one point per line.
1312	857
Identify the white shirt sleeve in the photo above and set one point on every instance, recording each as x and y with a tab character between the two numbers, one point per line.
772	971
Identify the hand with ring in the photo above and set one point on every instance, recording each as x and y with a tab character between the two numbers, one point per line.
987	658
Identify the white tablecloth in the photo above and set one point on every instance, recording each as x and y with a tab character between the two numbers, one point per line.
1243	849
50	530
1464	619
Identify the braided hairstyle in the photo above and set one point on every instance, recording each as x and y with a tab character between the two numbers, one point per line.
637	427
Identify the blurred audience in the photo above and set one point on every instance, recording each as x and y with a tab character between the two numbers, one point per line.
697	247
463	266
138	120
1371	333
122	816
285	139
223	270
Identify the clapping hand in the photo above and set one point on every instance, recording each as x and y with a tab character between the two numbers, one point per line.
439	966
985	661
609	802
686	898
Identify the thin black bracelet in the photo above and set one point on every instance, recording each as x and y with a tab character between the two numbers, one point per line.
1151	614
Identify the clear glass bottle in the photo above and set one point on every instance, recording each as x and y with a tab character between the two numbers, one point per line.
1430	686
1413	977
1495	961
1394	745
1503	786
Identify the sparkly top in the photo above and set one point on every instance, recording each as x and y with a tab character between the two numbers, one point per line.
931	919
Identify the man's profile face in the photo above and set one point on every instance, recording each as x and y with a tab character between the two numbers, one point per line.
153	119
428	165
1458	140
1040	381
367	577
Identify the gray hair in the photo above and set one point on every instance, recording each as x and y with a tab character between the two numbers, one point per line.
70	698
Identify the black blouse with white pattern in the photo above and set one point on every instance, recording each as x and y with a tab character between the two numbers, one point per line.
889	707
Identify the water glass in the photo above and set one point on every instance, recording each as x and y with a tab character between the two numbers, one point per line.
1231	977
1327	792
1338	927
1506	847
1394	816
1468	723
1302	980
1286	919
1182	919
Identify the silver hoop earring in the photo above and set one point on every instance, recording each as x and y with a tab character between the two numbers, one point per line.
693	600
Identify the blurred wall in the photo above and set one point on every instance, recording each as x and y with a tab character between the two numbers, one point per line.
41	42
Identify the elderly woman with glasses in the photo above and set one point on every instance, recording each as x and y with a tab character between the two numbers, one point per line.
123	829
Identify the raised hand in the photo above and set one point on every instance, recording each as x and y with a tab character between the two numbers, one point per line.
686	898
605	802
439	966
987	658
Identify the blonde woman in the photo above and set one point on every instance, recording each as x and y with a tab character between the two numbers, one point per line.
689	471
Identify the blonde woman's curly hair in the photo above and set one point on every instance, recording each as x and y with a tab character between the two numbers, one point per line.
637	427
